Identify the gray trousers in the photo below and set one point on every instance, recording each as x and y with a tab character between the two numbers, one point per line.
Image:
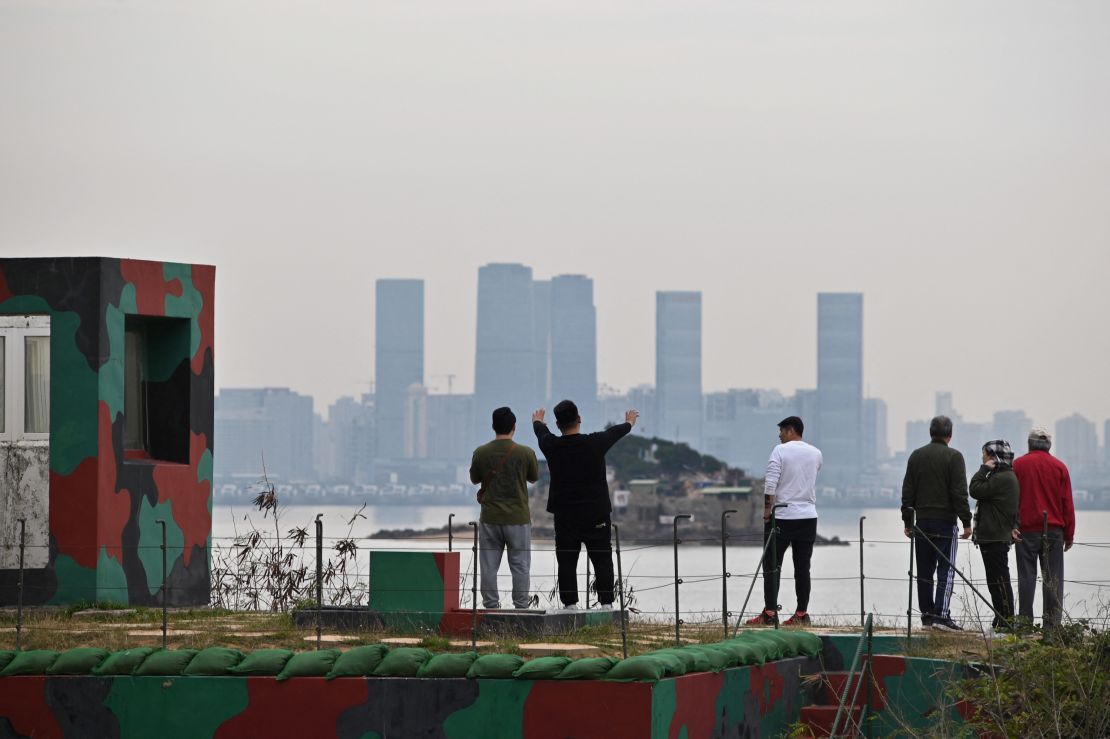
1034	548
492	540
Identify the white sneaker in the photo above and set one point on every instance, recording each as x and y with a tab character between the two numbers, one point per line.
605	607
567	608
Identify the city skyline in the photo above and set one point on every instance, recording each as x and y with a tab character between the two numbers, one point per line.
951	167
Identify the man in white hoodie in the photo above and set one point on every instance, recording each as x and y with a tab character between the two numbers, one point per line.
792	480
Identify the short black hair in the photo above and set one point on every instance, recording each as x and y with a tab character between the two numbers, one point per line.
940	428
566	414
793	422
504	420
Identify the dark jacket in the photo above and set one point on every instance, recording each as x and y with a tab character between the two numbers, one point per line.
997	493
577	467
936	485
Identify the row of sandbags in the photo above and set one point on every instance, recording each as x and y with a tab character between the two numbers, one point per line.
750	648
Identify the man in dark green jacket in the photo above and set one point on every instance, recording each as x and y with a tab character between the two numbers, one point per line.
504	468
935	487
995	487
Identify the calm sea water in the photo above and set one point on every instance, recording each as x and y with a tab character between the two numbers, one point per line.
649	569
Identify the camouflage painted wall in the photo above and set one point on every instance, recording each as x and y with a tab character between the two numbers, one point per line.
745	701
104	543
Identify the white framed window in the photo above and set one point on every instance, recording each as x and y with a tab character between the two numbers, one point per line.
24	378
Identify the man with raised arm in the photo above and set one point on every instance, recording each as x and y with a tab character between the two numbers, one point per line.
579	497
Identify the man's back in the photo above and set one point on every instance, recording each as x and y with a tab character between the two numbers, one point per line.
504	468
792	473
935	484
1045	488
576	463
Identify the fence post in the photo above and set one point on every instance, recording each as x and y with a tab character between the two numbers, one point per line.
474	593
725	574
620	592
319	575
861	614
162	522
450	532
909	602
762	556
677	580
19	609
776	574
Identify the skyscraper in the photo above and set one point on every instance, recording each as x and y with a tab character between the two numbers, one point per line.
541	338
505	362
874	445
838	429
398	358
574	345
678	366
1076	443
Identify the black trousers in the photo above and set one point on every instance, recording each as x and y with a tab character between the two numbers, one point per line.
571	532
996	563
798	536
943	535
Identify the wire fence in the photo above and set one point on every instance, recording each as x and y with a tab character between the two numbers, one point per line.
257	571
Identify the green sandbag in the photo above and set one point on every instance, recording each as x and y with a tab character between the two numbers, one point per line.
124	662
34	662
694	660
542	668
746	653
309	664
718	658
80	661
214	661
800	642
448	665
772	648
675	665
6	656
263	662
643	667
167	662
587	668
403	662
496	666
779	637
359	661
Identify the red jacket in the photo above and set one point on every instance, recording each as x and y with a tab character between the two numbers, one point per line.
1045	486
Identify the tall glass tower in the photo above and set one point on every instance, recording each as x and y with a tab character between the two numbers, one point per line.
574	346
398	358
678	367
838	428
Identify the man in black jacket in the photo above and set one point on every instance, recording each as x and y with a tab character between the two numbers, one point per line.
935	487
579	497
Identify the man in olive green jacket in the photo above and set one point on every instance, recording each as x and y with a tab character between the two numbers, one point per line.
995	487
504	468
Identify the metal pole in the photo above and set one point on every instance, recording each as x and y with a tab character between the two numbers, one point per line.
319	575
868	674
450	532
861	576
909	597
725	574
775	561
758	568
161	522
19	608
620	592
474	592
677	581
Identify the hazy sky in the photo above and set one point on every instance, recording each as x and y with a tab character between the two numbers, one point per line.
949	160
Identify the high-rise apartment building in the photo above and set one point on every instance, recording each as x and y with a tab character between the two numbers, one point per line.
678	366
1014	427
875	447
838	428
264	430
505	362
541	338
1076	444
574	346
398	358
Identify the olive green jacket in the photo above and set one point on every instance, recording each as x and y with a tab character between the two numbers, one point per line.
997	492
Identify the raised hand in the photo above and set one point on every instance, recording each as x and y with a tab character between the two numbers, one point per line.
538	416
630	416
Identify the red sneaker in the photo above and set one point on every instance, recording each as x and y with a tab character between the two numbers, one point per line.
766	618
800	618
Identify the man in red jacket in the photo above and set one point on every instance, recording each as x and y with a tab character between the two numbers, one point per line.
1046	527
